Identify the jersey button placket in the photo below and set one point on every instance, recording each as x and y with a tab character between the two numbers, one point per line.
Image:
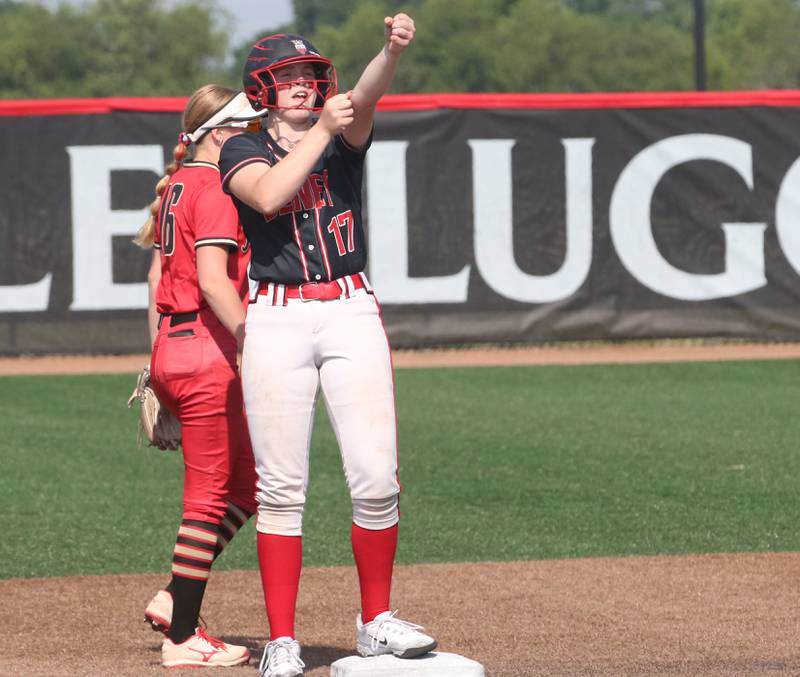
308	245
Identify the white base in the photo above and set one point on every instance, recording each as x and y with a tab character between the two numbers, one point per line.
432	664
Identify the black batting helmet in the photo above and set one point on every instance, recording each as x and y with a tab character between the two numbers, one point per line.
276	51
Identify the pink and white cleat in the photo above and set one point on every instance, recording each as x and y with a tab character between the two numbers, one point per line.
159	612
202	651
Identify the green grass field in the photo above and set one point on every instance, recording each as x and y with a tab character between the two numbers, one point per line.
496	463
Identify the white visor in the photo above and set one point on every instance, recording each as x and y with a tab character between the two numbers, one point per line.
236	113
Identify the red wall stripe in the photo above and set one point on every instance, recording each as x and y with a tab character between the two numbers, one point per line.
423	102
33	107
400	102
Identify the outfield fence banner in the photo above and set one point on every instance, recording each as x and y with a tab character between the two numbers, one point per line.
491	218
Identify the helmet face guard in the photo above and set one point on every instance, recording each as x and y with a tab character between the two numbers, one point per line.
323	86
277	51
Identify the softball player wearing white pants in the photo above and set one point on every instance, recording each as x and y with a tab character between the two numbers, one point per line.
314	324
291	352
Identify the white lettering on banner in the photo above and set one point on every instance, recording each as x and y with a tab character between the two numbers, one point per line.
388	235
494	231
787	215
94	223
632	233
19	298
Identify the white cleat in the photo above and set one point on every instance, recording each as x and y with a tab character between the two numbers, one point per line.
281	658
159	611
202	651
386	634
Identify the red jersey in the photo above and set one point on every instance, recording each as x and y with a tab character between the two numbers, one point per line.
195	212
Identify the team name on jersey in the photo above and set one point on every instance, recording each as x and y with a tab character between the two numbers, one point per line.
313	194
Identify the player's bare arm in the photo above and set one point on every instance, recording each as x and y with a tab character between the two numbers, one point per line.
153	277
218	290
377	77
267	189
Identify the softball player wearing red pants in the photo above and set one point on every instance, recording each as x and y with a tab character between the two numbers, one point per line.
197	290
314	323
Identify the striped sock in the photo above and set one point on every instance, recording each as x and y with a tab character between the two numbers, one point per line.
195	549
233	520
192	558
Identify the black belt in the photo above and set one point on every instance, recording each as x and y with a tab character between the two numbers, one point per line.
177	318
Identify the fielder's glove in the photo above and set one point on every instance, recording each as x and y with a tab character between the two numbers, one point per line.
159	426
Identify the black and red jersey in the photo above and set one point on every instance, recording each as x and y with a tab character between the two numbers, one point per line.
195	212
318	235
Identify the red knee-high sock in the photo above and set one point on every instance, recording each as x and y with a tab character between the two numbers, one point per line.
280	559
374	554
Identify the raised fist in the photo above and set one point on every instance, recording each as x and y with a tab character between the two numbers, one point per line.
399	32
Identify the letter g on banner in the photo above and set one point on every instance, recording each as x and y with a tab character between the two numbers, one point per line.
787	216
632	233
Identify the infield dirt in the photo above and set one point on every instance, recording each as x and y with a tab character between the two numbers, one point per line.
716	615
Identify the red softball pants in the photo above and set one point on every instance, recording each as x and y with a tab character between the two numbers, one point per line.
193	371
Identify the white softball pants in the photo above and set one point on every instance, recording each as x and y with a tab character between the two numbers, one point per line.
292	350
